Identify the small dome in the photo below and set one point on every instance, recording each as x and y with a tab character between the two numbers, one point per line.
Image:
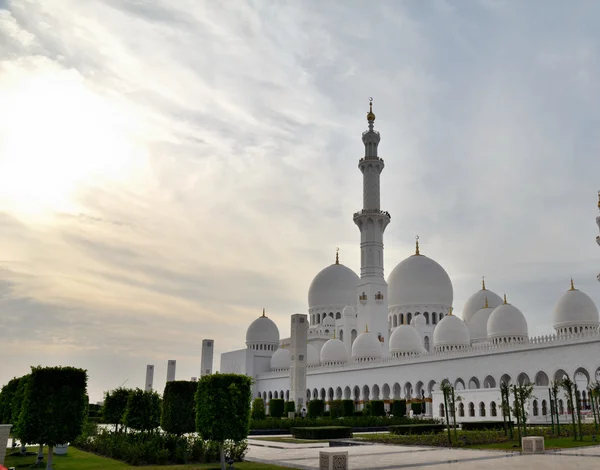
262	331
334	285
477	301
328	321
366	347
281	359
419	280
334	352
507	321
418	320
312	356
478	324
575	309
451	331
349	311
405	340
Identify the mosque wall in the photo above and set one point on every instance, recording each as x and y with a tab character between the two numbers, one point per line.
234	362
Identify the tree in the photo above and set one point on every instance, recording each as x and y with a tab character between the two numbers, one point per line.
258	409
554	389
447	391
143	410
522	394
223	408
567	385
115	403
594	394
178	407
54	406
7	395
505	393
276	407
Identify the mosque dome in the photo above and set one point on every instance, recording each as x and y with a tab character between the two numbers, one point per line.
328	321
418	320
477	301
575	309
507	323
262	331
349	311
281	359
451	332
478	324
334	352
419	280
405	339
312	356
334	285
366	347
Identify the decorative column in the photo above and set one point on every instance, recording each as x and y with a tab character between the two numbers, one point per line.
372	221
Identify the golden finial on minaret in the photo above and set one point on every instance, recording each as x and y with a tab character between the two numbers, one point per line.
263	312
450	311
370	115
598	199
486	303
366	328
417	245
572	285
337	256
483	283
505	302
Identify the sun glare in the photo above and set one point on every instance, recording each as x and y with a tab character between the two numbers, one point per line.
56	135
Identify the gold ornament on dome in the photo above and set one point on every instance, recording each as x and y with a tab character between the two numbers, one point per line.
370	115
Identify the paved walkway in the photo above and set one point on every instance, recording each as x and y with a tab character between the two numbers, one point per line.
388	457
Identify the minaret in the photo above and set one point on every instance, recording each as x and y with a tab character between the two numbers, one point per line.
372	221
171	364
149	377
207	357
598	222
298	351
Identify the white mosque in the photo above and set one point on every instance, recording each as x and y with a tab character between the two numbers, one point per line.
369	339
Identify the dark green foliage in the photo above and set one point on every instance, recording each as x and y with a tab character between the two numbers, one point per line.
348	407
258	409
223	407
53	410
417	407
399	408
352	421
178	407
336	409
377	408
94	410
430	428
290	407
439	439
276	407
316	408
7	396
323	432
115	403
478	425
156	448
143	410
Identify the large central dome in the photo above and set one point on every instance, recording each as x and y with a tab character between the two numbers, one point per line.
419	280
334	285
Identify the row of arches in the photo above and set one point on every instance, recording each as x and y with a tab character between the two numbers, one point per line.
397	319
317	318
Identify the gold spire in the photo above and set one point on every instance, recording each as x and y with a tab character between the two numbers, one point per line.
370	115
337	256
598	199
572	285
366	328
450	311
486	303
505	302
263	312
417	246
483	283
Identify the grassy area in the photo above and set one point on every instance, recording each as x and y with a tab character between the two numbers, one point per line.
291	440
79	460
550	443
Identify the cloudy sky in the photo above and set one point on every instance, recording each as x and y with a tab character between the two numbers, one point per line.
168	169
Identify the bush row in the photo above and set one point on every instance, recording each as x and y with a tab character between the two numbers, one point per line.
479	425
440	439
325	432
352	421
429	428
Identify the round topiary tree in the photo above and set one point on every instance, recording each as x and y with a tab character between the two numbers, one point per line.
179	407
258	409
115	403
223	408
143	410
276	407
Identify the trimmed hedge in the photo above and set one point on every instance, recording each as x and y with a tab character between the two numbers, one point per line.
377	408
178	407
115	403
290	407
316	408
258	409
352	421
336	409
326	432
276	407
417	407
348	407
439	439
143	410
399	408
479	425
416	428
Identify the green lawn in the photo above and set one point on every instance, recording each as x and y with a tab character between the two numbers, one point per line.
549	443
79	460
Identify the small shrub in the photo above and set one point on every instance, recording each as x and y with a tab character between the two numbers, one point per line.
276	407
416	407
115	403
377	408
258	409
336	409
316	408
348	407
325	432
290	407
143	410
416	428
479	425
399	408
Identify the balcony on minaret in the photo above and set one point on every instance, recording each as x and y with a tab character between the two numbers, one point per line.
372	212
371	159
362	298
379	297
